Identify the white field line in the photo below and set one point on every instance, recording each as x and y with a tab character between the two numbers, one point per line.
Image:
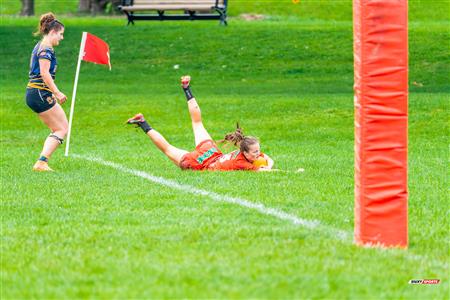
340	235
310	224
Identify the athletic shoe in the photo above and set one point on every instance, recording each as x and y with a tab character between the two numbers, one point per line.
185	81
42	166
139	118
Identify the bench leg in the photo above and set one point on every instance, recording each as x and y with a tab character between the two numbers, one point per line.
161	15
191	15
223	21
223	17
130	18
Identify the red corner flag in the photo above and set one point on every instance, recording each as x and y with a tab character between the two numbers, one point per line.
92	49
96	50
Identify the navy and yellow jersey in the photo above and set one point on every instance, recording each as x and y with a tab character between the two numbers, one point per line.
38	96
35	72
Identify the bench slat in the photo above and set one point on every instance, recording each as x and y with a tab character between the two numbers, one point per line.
168	7
192	10
176	2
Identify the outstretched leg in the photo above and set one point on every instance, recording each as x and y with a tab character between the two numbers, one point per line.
200	133
170	151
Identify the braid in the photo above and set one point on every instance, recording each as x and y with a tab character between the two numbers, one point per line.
238	139
234	138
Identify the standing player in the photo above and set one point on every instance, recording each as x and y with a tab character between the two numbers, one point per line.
42	92
207	155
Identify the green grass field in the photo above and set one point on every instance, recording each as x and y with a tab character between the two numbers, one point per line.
419	10
93	231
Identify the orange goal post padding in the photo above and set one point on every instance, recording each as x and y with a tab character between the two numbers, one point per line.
380	32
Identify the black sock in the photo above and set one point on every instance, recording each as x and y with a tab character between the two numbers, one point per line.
188	93
145	126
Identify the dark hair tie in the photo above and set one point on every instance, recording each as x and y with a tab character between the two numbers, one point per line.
55	21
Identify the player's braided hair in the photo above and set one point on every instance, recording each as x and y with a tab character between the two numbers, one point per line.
238	139
47	23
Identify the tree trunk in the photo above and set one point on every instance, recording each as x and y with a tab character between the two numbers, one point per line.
92	6
84	6
98	6
95	7
27	8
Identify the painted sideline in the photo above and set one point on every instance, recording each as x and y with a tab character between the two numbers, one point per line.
340	235
310	224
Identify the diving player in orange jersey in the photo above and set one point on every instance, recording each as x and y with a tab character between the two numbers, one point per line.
207	155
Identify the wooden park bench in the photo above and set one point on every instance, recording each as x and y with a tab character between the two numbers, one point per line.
191	10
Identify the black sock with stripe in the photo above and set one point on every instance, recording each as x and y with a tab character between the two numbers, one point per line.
145	126
188	93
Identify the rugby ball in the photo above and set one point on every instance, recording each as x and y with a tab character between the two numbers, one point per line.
261	162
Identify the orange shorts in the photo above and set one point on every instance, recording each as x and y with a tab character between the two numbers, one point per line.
204	154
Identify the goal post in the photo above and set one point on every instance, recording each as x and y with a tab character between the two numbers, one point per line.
380	44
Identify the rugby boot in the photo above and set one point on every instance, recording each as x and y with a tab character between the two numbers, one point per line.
42	166
137	119
185	81
140	121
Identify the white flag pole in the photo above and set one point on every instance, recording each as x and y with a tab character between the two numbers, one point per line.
74	94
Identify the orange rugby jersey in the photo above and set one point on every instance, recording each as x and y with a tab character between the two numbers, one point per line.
233	161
